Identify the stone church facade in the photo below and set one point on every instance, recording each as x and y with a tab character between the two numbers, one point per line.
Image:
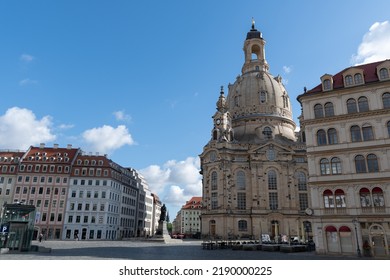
254	167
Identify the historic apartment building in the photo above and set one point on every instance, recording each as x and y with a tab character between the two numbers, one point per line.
328	183
190	216
346	122
77	195
254	167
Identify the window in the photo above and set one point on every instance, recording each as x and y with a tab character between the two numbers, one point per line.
372	163
383	74
324	166
328	199
318	111
327	84
365	197
332	136
363	104
360	164
241	200
321	137
348	80
336	165
351	106
242	225
358	78
302	182
273	201
377	197
386	100
214	180
272	181
340	198
263	97
303	201
240	180
214	200
329	109
368	133
355	134
267	132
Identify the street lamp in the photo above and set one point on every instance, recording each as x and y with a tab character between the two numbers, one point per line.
355	222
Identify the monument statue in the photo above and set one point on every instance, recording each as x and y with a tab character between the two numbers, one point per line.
163	214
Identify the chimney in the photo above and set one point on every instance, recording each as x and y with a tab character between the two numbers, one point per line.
55	146
42	145
69	146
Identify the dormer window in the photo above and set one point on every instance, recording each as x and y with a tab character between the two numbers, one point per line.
383	74
348	80
263	96
267	132
358	79
327	84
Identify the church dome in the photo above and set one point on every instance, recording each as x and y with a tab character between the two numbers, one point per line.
257	99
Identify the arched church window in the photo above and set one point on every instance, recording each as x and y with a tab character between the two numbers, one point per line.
340	198
358	79
215	134
267	132
365	197
302	182
214	180
328	199
324	166
240	180
272	180
329	111
363	104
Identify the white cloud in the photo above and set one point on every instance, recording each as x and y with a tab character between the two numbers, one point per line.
19	129
27	81
375	45
122	116
106	139
287	69
175	182
26	57
65	126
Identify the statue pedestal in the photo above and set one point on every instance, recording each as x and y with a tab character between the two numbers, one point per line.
162	234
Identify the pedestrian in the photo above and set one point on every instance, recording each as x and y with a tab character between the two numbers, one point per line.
40	237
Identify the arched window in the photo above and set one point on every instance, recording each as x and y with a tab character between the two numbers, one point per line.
215	134
272	181
240	180
383	74
336	165
302	182
368	133
360	164
340	198
329	109
363	104
327	84
348	80
377	197
372	163
355	134
321	137
324	166
318	111
332	136
386	100
358	79
351	106
242	225
328	199
214	180
263	96
365	197
267	132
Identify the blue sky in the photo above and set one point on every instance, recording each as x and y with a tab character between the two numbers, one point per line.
138	80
